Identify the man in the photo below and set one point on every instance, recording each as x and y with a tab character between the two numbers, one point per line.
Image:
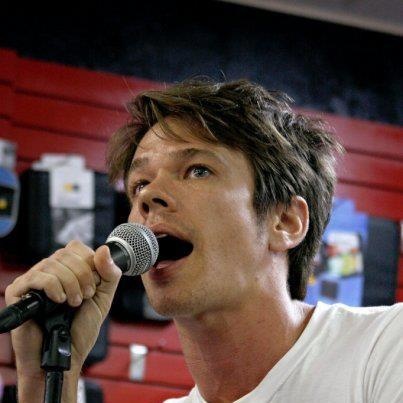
230	170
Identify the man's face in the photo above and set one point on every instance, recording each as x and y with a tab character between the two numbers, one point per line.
202	193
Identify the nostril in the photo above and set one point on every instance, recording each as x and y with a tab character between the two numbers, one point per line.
160	201
146	208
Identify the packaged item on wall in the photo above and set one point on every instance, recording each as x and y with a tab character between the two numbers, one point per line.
61	200
9	188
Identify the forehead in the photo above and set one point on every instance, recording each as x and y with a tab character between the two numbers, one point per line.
179	134
184	141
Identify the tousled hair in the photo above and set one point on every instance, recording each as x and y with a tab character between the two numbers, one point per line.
291	154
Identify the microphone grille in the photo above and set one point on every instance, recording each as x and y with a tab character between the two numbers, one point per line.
140	243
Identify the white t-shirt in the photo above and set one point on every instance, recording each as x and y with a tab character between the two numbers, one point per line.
344	355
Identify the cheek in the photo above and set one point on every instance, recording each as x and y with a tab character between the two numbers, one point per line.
230	222
235	208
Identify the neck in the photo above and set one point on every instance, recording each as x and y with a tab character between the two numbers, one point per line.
215	343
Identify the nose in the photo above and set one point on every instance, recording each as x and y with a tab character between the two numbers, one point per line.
157	197
145	205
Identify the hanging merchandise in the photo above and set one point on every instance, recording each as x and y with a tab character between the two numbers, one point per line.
9	188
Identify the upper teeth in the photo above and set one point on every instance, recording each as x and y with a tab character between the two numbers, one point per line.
161	235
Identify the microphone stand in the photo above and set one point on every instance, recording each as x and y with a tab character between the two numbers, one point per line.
56	350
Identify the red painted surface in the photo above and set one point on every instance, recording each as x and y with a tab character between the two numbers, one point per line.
364	136
371	171
6	278
8	374
117	391
161	368
6	354
66	117
6	100
400	273
164	368
153	335
5	128
8	63
127	392
33	142
78	85
148	334
22	166
46	107
379	203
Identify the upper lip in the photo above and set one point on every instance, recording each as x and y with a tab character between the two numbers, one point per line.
159	229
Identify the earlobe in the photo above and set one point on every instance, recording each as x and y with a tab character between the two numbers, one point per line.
289	225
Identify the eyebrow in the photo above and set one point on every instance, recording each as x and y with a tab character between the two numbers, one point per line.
184	155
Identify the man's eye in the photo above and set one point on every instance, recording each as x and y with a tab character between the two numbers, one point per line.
198	171
137	187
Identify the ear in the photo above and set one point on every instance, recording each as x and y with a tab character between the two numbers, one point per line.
289	225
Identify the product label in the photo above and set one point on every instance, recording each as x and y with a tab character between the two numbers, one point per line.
71	187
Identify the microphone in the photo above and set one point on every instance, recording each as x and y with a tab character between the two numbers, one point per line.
134	249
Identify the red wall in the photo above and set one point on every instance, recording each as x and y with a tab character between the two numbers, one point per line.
46	107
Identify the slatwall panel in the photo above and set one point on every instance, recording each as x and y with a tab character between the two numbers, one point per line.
6	100
363	136
117	390
53	142
47	107
60	116
154	336
400	277
161	368
78	85
381	172
371	172
121	391
8	60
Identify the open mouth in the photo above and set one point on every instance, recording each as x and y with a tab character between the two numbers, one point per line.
172	248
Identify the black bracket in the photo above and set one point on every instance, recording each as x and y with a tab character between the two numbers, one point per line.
56	349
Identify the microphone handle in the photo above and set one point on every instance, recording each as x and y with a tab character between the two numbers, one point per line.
120	256
27	308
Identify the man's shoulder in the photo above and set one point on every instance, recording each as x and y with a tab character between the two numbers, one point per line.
365	325
385	360
366	314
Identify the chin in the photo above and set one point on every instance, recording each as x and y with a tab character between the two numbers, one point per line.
170	309
172	305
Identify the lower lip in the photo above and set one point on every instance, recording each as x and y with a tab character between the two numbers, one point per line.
167	271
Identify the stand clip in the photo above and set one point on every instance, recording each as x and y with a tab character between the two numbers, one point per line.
56	350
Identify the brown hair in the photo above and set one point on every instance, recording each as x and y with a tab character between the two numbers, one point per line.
291	154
